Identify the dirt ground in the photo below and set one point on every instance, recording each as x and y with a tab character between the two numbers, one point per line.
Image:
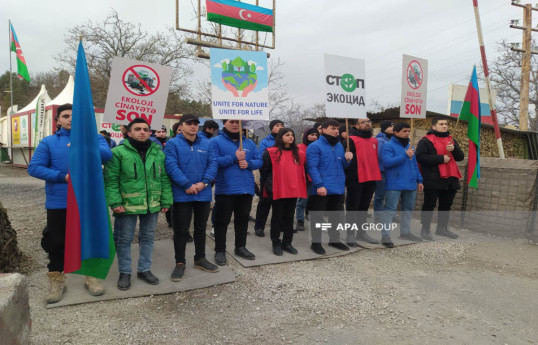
475	290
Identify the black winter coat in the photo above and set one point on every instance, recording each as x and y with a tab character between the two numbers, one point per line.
429	162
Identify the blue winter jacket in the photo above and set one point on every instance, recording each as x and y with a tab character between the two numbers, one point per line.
189	164
204	135
325	165
231	180
401	173
268	141
153	138
49	162
382	139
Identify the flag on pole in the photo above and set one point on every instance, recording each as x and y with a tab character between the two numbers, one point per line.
89	245
470	112
240	15
22	69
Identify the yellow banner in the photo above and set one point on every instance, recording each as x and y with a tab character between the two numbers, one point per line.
16	130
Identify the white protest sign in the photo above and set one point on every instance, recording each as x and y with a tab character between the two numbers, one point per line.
414	87
239	84
344	79
137	89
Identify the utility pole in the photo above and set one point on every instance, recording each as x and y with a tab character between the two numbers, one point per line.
525	62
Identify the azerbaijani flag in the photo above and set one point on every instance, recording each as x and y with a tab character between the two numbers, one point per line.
240	15
89	245
470	112
22	69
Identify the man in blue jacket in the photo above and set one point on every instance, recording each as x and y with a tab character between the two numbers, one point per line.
191	165
49	162
326	161
264	205
402	179
382	137
209	129
234	188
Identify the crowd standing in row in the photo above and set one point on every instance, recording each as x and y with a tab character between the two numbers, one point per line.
147	174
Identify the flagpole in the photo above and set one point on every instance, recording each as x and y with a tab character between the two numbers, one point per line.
486	75
10	68
240	136
347	135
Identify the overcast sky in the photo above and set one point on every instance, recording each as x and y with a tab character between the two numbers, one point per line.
443	32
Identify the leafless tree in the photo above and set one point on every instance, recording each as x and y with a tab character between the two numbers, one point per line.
505	75
115	37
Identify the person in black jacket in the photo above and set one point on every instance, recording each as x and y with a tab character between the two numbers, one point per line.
437	154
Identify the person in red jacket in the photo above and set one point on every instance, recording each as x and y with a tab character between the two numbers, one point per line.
284	180
309	136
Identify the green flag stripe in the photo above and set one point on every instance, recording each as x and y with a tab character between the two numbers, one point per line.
23	70
237	23
473	126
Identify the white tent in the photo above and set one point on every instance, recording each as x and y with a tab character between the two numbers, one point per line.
66	96
31	106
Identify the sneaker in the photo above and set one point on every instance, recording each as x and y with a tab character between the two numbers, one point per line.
387	242
220	258
277	250
204	265
338	245
252	219
259	232
318	248
300	225
178	271
288	248
190	239
148	277
243	252
410	237
446	233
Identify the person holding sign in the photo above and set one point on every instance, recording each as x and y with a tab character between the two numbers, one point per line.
264	205
402	180
284	181
326	161
191	165
234	188
361	179
437	154
137	187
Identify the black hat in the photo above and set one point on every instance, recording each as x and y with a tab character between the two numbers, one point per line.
273	123
189	118
400	125
385	124
163	128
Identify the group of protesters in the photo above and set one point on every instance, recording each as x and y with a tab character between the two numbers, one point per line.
327	171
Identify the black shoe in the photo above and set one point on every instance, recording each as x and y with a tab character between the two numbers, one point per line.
425	234
364	237
204	265
190	239
352	244
446	233
220	258
177	274
277	250
387	242
338	245
300	225
252	219
288	248
148	277
124	282
244	253
318	248
259	232
410	237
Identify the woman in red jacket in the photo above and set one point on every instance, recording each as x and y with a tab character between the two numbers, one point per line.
284	179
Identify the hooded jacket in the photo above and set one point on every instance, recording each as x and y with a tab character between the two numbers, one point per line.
230	179
50	163
188	164
325	165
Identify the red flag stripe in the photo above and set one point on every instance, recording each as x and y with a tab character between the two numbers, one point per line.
72	238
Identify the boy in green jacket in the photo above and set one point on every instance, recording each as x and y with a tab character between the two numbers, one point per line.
136	186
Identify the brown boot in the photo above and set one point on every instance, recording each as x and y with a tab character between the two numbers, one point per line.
57	287
94	286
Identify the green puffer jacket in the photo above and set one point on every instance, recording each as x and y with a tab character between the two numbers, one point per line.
130	184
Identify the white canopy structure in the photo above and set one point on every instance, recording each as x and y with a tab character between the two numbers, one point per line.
66	96
32	104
